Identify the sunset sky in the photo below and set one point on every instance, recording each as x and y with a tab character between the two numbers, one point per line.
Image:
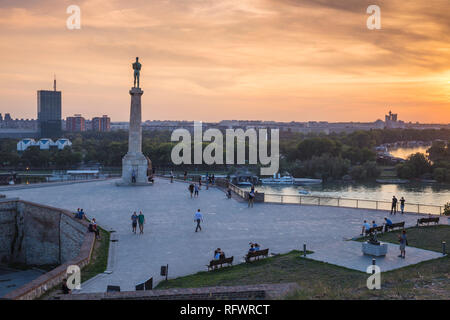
283	60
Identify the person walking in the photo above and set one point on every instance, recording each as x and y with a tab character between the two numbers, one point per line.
251	198
394	205
134	219
185	175
141	220
195	191
403	243
171	176
133	176
198	218
191	189
402	205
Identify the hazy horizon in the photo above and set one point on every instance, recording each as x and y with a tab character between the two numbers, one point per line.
270	60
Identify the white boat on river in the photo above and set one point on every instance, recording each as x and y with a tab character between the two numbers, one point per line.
285	180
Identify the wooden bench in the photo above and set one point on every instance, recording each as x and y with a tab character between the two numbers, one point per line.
427	221
255	255
398	225
374	229
213	264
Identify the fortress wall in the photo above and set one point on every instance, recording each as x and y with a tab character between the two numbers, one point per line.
7	229
35	234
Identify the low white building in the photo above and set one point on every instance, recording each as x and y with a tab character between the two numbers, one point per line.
62	143
43	144
23	144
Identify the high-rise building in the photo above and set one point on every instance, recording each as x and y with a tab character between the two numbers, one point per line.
101	123
49	112
75	123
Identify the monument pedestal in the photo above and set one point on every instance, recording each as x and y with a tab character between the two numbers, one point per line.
135	160
138	163
374	249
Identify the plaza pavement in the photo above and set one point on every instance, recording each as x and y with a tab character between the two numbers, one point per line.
169	236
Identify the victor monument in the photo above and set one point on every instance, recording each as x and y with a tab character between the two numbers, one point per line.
134	163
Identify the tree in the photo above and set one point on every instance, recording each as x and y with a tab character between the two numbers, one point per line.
405	171
441	174
420	163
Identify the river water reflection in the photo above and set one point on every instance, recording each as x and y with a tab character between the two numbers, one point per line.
432	194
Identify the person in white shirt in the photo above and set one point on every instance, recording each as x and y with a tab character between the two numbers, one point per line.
198	218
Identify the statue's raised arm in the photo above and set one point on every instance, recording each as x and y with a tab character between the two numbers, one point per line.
137	71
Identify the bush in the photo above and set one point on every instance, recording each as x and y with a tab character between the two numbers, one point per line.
405	171
447	209
440	174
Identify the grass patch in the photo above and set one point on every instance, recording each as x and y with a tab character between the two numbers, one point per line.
318	280
428	238
99	260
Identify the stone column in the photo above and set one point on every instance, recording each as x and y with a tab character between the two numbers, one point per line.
135	130
134	160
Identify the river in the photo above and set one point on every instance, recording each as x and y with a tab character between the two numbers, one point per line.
405	152
432	194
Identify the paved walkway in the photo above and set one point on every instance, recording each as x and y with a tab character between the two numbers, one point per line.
169	233
348	254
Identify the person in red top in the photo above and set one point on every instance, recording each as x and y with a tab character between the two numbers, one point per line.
94	228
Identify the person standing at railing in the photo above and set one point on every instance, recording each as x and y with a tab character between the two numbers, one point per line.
402	205
394	205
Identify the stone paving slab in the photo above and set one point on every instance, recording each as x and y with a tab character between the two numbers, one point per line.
348	254
169	236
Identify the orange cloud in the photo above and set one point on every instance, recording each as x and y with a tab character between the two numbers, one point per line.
223	59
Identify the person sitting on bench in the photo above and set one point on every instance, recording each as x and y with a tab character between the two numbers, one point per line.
93	228
81	214
257	248
365	228
387	224
252	248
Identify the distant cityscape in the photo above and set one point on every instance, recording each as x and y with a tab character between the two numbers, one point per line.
50	124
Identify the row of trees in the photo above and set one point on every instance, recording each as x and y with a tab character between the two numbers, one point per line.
316	155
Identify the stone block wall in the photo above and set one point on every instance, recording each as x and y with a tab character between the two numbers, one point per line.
8	216
35	234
